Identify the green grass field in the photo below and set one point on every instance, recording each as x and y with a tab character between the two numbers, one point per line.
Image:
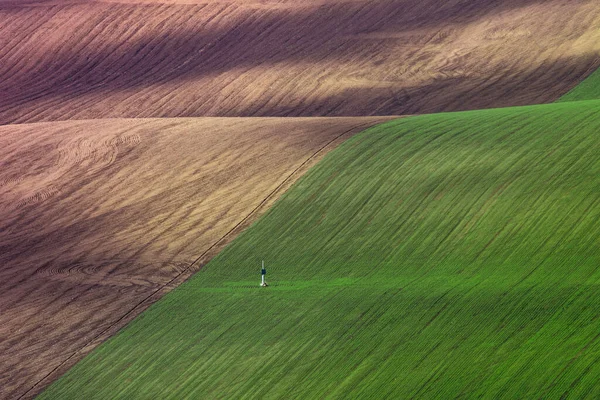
447	255
589	89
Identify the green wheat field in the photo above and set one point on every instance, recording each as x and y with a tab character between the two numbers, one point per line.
438	256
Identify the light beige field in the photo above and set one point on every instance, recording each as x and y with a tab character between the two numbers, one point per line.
98	219
80	60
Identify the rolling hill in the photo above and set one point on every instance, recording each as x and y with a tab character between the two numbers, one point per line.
448	255
62	60
98	219
442	255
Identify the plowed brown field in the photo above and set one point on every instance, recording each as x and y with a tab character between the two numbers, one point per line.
79	60
98	219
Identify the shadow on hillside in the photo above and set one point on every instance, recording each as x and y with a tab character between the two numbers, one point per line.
179	50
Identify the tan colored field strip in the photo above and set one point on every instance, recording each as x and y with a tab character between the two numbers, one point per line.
98	219
62	60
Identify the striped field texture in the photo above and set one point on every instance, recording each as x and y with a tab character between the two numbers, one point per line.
439	256
75	59
100	218
589	89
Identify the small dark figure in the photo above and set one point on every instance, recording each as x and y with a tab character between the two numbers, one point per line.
263	273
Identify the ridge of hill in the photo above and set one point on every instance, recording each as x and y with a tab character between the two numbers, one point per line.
448	255
64	60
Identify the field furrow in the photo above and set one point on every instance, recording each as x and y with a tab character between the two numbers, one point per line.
82	60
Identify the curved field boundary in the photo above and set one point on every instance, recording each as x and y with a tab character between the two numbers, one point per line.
135	202
439	256
589	89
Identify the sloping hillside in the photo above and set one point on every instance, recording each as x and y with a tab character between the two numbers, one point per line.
439	256
589	89
79	60
98	219
455	220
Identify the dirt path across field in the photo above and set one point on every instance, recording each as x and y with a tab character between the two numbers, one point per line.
98	219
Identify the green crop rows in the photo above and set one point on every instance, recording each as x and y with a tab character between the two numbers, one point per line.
438	256
589	89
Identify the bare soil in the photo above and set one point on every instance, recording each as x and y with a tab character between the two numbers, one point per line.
63	59
98	219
